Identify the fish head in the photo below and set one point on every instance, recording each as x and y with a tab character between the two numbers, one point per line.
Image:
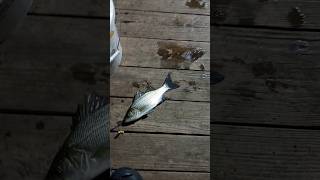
131	117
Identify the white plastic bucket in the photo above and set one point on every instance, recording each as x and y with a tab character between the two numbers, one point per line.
115	47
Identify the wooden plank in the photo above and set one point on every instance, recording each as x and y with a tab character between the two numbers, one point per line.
51	63
30	142
264	153
170	117
160	175
88	8
150	53
162	152
271	77
141	24
100	9
194	85
286	14
171	6
147	175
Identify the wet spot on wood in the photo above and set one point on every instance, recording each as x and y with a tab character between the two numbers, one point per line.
187	90
299	47
145	84
196	4
177	82
40	125
295	17
136	84
8	134
84	72
122	100
178	56
127	22
193	85
263	68
202	68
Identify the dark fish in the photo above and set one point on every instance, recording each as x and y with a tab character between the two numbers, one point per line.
145	102
85	153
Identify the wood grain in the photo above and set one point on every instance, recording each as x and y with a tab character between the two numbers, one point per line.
30	142
264	153
100	8
271	77
171	6
162	152
144	24
143	52
160	175
89	8
267	13
170	117
51	63
194	85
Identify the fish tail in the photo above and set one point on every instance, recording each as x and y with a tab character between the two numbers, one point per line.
169	83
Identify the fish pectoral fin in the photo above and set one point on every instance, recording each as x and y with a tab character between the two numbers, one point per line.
144	116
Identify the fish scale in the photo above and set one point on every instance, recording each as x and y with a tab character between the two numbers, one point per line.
85	153
144	102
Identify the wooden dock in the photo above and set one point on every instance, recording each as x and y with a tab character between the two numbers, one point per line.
174	142
266	116
59	54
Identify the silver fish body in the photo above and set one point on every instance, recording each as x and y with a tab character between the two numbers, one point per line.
145	102
85	153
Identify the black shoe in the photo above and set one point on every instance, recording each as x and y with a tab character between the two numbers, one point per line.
125	174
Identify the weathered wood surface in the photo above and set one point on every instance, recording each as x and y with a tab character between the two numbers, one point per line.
267	13
159	175
162	152
88	8
51	63
264	153
155	25
271	77
170	117
99	8
142	52
194	85
30	142
147	175
171	6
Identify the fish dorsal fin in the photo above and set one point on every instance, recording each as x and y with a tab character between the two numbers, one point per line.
138	95
149	88
93	103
